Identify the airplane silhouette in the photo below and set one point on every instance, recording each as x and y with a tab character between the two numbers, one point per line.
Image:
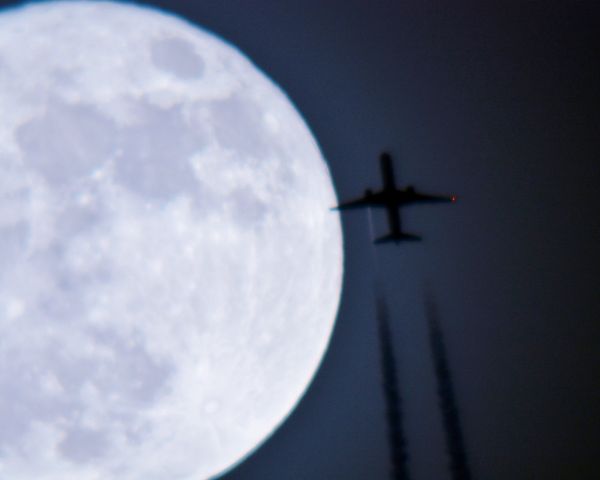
392	198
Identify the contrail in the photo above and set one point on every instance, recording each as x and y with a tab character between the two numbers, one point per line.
392	395
390	383
454	436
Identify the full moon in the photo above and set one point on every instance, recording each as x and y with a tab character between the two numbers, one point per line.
170	271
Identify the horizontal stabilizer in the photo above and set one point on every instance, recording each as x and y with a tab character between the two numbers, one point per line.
401	237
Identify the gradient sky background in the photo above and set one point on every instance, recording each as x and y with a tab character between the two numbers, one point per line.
498	103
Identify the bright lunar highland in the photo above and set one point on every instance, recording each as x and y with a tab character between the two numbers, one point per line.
170	270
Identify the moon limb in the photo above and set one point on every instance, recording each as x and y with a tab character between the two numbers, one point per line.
156	317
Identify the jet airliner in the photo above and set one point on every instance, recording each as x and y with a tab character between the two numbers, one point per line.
392	198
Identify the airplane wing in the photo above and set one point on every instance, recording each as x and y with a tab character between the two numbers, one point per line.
387	171
358	203
427	198
370	199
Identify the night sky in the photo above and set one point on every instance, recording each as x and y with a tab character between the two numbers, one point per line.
498	103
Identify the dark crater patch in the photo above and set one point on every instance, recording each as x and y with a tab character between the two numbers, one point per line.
66	142
26	402
239	126
12	239
154	159
248	209
133	373
83	444
177	57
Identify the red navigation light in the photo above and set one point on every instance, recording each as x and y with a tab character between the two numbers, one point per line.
453	198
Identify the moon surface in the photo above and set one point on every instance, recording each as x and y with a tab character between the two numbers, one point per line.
170	270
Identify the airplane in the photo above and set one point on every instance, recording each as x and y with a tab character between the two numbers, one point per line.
392	198
390	194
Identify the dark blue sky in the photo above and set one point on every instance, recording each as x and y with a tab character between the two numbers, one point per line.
498	103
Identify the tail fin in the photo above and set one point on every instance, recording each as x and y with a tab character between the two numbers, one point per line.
398	237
